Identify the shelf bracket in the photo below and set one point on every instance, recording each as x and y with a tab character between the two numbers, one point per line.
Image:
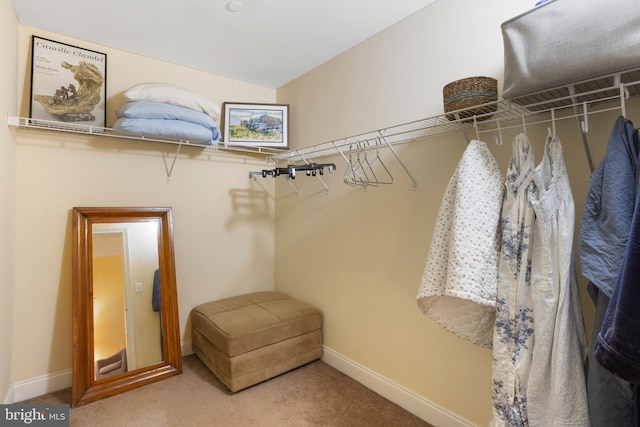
13	121
173	163
295	189
462	129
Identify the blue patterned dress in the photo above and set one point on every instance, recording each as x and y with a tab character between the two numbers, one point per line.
514	327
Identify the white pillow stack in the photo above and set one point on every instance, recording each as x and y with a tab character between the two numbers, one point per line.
174	95
168	110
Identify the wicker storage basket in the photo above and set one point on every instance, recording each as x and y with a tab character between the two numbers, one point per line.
471	92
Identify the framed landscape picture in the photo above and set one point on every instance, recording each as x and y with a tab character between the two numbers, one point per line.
68	83
263	125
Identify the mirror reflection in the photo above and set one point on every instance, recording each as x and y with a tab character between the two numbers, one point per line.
126	296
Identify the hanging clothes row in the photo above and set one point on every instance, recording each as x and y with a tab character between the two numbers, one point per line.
540	345
525	291
608	250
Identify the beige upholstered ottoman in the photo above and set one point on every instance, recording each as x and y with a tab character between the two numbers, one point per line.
250	338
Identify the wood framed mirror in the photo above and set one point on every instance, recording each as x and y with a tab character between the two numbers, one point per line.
125	307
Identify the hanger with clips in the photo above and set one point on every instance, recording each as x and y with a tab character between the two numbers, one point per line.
311	169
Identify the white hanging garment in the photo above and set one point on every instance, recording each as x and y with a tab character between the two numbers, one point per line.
458	288
556	388
513	334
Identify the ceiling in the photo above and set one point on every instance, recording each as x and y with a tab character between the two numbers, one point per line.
265	42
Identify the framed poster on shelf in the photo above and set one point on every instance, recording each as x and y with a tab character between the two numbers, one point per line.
68	83
258	125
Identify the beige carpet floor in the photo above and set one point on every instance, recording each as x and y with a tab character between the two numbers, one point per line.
312	395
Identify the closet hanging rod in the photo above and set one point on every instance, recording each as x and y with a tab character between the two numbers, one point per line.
597	90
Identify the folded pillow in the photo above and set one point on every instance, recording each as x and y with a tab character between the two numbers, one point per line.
161	110
172	128
172	94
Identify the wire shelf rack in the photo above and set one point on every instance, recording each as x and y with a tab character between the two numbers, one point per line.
575	100
75	128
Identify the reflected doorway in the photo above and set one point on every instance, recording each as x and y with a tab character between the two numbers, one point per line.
112	317
126	325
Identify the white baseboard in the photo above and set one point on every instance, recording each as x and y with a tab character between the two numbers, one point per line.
9	398
402	397
186	348
43	384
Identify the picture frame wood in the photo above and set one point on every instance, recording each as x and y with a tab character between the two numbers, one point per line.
68	83
257	125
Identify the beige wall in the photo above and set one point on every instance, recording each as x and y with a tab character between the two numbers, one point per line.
359	255
221	248
8	99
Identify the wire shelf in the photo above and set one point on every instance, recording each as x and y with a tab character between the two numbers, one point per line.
576	98
580	97
75	128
